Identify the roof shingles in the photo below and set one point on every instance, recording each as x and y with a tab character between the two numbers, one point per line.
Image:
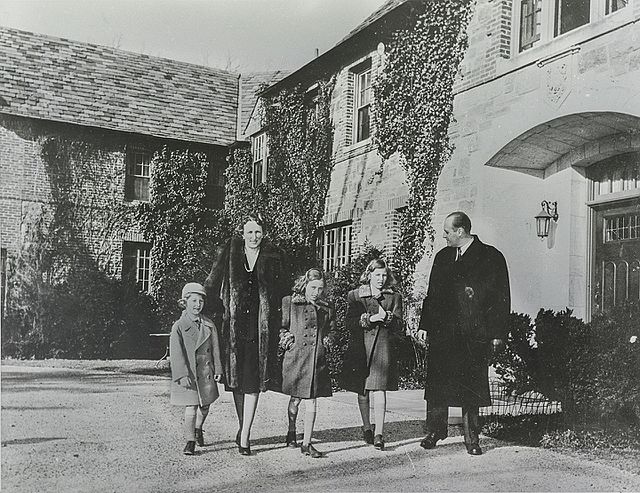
86	84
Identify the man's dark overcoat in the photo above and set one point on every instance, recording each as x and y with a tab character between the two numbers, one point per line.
227	300
467	305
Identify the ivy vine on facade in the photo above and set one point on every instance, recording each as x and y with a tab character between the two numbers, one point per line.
413	109
300	139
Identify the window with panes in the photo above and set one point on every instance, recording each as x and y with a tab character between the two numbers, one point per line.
363	94
615	202
138	174
136	264
260	153
335	246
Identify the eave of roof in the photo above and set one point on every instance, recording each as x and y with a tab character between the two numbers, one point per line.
377	27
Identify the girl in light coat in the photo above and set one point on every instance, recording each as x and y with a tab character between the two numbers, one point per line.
196	365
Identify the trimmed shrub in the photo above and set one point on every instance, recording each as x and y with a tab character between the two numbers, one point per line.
592	369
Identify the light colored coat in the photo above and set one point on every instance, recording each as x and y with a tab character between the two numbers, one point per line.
196	355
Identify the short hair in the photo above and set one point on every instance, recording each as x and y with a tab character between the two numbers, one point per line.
313	274
378	263
256	217
460	220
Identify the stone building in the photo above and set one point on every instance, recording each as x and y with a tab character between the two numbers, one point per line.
123	106
547	108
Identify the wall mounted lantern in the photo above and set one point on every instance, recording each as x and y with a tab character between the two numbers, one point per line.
543	218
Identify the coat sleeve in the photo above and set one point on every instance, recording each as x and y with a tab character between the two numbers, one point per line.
215	351
394	319
498	297
213	282
286	315
428	316
355	309
179	364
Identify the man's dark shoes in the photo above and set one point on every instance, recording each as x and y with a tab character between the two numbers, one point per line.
310	450
378	442
474	449
429	441
367	435
291	439
199	437
190	448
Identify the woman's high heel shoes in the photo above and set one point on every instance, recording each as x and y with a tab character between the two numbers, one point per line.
244	450
311	451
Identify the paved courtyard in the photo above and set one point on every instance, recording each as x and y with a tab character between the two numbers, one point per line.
88	430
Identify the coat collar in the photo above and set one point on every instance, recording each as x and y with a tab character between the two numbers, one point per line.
364	291
298	299
186	324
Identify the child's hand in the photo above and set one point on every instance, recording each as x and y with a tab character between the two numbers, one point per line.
217	378
185	382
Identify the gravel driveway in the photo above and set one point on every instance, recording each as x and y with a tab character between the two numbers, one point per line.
88	430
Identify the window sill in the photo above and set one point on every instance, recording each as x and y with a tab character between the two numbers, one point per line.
548	49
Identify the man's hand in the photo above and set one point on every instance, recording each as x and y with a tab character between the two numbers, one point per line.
421	335
217	378
497	345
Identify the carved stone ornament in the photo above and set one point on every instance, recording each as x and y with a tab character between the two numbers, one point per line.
558	81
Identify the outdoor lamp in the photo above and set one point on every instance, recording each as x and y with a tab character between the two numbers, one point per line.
543	218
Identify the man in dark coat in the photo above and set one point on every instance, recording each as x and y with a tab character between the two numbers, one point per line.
464	320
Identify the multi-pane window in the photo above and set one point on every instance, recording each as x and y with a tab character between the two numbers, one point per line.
614	5
543	20
136	264
529	23
138	174
615	199
260	160
623	177
336	247
622	227
362	104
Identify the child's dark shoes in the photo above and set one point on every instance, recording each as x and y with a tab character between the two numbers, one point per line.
190	448
199	437
378	442
291	439
311	451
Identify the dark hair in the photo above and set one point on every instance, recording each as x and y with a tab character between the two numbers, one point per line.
378	263
312	274
256	218
460	220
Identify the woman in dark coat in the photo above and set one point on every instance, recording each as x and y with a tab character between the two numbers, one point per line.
246	283
308	322
374	319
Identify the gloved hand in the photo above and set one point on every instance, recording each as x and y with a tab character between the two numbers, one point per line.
286	340
186	382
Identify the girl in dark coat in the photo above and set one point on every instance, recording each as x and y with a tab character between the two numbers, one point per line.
374	319
246	282
307	324
196	366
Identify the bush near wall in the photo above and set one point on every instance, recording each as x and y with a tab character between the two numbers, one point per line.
592	368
